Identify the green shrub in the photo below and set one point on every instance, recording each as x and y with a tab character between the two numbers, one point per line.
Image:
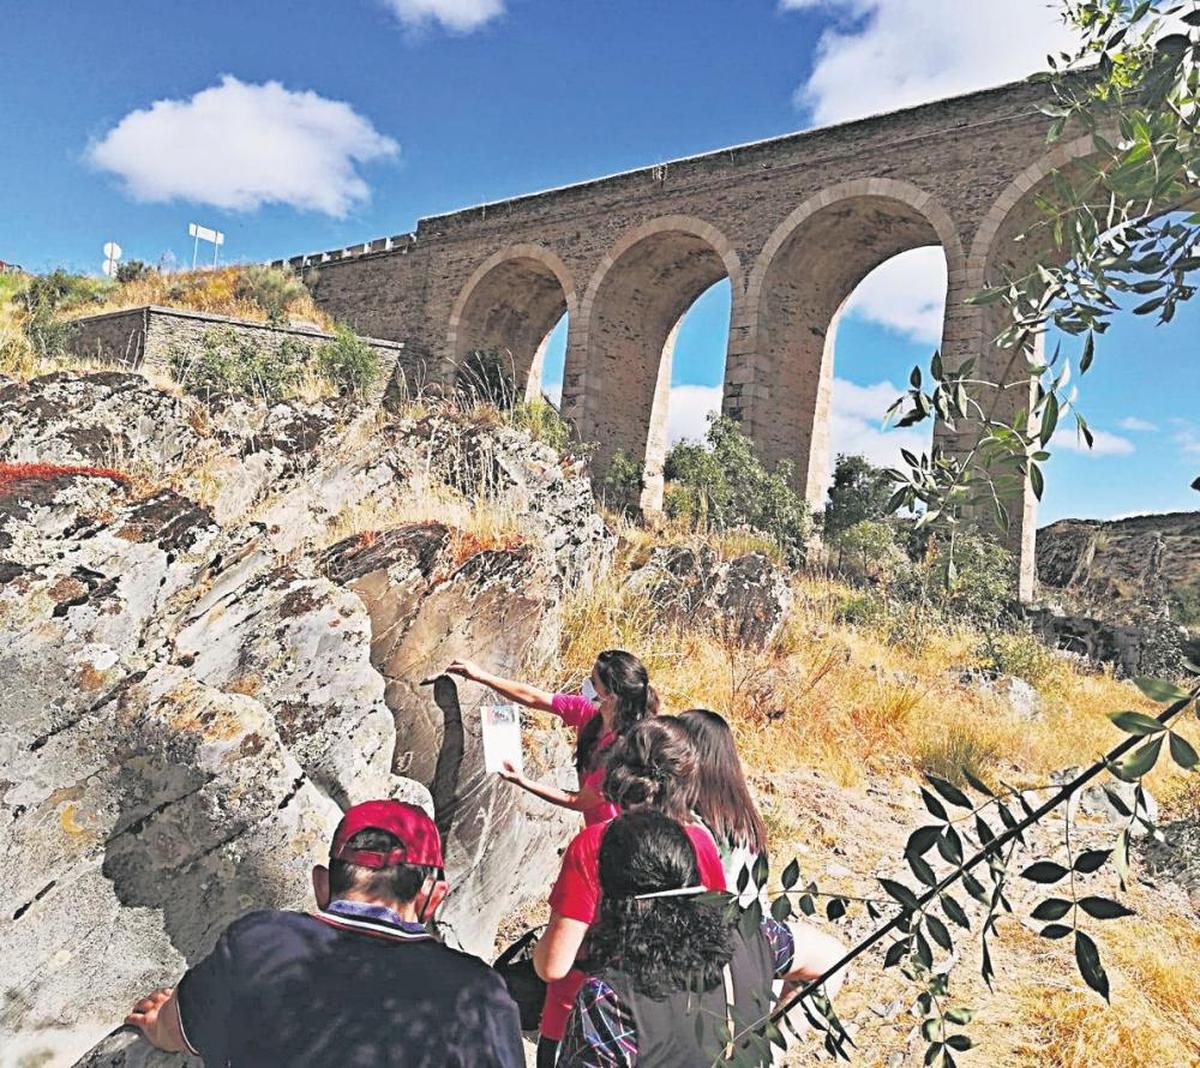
273	289
969	579
1019	653
621	486
868	550
60	291
860	491
348	362
133	271
542	422
723	484
230	362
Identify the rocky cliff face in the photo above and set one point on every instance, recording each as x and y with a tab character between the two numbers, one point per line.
194	680
1114	565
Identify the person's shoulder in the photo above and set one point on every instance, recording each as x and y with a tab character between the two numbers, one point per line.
588	840
471	968
270	922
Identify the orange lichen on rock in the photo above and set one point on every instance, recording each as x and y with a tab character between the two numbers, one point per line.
11	474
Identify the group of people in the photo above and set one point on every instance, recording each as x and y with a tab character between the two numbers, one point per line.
643	959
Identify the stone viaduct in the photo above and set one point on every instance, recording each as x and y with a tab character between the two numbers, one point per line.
794	222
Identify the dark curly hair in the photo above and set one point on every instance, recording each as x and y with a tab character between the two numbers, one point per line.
625	677
665	944
654	766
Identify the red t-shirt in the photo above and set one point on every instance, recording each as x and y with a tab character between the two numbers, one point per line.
576	895
575	710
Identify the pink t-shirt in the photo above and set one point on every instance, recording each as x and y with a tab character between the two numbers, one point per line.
575	710
576	895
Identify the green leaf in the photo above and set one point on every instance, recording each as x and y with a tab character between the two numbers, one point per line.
935	807
1089	353
1055	930
1159	690
950	846
955	911
836	909
791	874
960	1015
1087	956
921	869
1053	908
1049	419
1133	766
1182	752
1103	908
938	932
922	839
1136	723
959	1042
781	909
901	893
896	952
977	783
1036	481
1044	871
950	792
1091	860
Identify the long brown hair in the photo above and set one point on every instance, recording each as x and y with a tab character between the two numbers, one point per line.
654	767
723	800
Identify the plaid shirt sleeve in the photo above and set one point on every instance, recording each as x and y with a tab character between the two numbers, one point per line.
600	1030
783	944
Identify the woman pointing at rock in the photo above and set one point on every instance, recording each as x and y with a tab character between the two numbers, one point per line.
615	697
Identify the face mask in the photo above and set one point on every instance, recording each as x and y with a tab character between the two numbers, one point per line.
589	691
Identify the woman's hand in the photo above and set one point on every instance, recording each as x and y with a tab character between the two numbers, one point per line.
509	773
465	669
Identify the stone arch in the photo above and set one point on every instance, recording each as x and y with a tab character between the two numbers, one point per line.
993	243
618	369
779	378
511	303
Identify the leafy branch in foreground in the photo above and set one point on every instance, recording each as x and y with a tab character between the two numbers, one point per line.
1104	229
929	915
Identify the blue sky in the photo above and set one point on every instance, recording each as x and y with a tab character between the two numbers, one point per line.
301	125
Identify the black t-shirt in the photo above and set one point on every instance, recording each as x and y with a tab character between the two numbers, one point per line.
286	988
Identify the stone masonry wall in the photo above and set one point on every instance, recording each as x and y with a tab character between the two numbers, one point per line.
793	222
149	337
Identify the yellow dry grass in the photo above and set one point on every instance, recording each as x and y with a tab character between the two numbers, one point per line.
1155	1015
212	291
850	701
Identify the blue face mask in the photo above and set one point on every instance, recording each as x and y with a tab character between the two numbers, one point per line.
589	691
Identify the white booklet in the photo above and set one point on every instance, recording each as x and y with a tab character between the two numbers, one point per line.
501	737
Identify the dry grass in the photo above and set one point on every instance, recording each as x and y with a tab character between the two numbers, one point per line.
1155	1015
212	291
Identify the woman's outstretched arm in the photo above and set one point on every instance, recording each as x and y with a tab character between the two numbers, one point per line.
814	954
576	800
521	692
555	952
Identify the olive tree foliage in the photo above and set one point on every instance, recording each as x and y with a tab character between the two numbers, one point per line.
1106	236
1134	87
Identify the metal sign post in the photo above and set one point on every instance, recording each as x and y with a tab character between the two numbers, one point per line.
203	233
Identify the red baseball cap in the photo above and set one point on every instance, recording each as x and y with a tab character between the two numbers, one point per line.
420	843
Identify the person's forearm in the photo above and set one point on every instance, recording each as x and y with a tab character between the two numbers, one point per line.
556	795
522	693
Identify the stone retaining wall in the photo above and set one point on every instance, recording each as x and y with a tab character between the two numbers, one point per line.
149	336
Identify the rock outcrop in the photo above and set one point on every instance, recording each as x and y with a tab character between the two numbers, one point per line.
193	686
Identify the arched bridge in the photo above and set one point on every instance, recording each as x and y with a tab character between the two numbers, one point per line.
794	223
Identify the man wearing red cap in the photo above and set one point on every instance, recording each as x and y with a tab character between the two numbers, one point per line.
361	981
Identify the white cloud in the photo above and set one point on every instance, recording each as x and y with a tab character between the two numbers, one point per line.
1132	422
1104	443
238	146
688	411
1187	437
855	421
906	293
856	425
883	55
460	16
